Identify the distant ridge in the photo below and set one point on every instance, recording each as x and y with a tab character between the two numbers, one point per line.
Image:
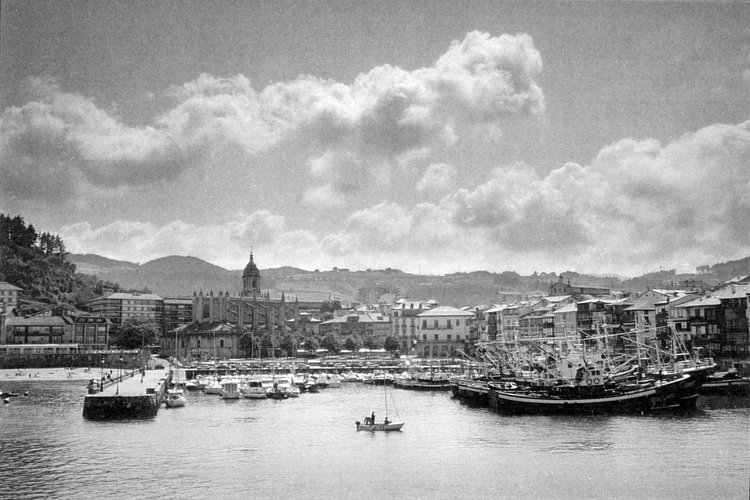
183	275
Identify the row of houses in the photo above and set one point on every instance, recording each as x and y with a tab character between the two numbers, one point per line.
214	325
716	320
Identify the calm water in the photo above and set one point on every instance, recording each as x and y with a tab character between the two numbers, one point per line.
308	448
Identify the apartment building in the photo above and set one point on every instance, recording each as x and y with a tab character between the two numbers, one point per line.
442	330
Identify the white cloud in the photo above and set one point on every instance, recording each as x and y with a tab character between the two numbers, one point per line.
438	179
353	134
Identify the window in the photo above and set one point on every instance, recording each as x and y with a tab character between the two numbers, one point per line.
436	323
449	336
458	322
424	337
450	325
436	336
424	324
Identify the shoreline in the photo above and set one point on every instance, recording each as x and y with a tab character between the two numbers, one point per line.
30	374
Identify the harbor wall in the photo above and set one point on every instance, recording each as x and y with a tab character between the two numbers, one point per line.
73	360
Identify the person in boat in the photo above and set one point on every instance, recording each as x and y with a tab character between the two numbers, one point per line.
386	421
372	418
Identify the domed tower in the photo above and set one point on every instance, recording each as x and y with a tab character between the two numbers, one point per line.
250	278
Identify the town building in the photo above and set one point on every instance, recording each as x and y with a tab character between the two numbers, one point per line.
37	330
120	307
8	296
565	322
561	288
176	312
223	323
405	326
443	330
361	323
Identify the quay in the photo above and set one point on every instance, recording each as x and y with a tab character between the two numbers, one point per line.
129	395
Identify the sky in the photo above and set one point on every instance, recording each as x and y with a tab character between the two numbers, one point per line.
600	137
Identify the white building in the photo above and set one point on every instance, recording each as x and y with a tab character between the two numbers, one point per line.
442	330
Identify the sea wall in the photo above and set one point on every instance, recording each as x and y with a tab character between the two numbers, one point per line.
76	360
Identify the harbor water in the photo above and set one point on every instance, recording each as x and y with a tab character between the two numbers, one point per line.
308	447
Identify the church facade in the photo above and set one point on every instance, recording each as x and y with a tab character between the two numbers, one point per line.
220	321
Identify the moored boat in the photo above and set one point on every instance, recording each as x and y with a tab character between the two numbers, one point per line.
175	398
648	396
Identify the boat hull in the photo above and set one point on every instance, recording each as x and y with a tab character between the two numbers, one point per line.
392	426
665	395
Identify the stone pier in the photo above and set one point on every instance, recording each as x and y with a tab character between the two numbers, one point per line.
128	395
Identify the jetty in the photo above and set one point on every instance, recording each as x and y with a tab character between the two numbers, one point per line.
130	394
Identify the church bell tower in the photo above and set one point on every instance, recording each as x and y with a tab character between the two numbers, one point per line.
250	278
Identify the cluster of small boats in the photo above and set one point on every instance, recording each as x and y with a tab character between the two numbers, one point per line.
252	386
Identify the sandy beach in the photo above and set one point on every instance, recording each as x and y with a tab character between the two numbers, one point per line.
50	374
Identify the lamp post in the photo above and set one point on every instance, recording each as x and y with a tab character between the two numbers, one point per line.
101	380
119	371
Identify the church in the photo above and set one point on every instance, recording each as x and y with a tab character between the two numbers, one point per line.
221	320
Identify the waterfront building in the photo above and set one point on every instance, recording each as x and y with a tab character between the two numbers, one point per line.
696	321
565	322
362	323
443	330
37	330
594	314
733	319
176	312
404	321
508	320
492	320
91	333
119	307
537	323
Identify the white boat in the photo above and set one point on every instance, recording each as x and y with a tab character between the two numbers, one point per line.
175	398
370	423
212	387
230	389
254	390
334	381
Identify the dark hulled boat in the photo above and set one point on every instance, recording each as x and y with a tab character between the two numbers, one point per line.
648	396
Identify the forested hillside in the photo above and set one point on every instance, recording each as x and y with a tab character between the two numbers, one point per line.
38	264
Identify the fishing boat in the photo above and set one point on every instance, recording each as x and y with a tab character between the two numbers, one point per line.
591	395
370	424
725	383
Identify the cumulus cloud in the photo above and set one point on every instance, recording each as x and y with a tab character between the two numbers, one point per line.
438	179
637	204
355	132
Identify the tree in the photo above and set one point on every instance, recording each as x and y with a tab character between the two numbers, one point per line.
391	344
331	341
353	343
372	342
249	344
288	343
136	333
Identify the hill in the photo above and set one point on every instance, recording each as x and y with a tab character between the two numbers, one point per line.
180	276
